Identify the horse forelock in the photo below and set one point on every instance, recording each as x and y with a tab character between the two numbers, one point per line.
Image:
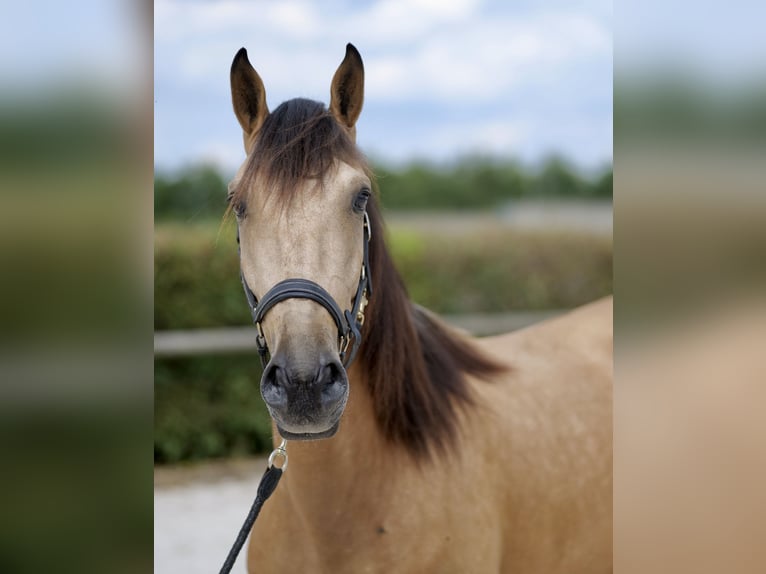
299	141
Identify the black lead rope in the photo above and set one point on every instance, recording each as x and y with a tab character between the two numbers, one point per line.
266	487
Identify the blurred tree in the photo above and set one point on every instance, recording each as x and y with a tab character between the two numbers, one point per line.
473	182
603	186
198	191
557	179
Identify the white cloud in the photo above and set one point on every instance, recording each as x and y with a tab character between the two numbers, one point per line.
484	59
445	54
425	49
495	137
226	154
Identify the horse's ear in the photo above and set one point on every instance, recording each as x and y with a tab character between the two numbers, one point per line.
347	90
248	96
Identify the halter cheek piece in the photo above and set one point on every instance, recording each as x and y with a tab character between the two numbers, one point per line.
348	322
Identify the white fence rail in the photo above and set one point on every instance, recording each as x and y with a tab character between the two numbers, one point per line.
232	340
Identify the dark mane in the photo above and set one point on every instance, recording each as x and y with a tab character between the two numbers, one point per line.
416	367
299	140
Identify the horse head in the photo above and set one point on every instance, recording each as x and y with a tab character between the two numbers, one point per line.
300	199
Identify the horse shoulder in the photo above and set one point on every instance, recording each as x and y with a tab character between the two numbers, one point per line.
547	426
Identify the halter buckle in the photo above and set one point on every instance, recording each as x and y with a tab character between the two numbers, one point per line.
344	341
261	338
362	306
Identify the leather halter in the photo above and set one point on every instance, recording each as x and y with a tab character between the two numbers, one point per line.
348	322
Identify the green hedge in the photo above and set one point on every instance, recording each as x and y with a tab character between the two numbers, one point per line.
208	407
503	270
196	277
211	407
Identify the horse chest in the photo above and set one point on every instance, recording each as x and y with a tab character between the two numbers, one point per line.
402	538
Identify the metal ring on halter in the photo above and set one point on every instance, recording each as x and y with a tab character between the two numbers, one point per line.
281	450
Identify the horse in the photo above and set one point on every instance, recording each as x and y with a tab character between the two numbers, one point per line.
413	448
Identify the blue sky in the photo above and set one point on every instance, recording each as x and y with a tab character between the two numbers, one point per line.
443	78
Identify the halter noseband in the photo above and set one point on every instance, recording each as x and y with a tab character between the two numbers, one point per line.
348	322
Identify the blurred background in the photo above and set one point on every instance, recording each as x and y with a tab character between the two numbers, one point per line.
75	286
690	265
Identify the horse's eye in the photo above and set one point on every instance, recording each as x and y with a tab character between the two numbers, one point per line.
239	209
360	201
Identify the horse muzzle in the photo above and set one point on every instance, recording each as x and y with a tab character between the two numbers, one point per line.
306	403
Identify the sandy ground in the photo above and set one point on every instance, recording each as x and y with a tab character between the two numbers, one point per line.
198	511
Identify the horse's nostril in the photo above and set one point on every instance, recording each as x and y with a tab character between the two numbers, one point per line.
280	377
273	385
330	374
326	375
332	383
